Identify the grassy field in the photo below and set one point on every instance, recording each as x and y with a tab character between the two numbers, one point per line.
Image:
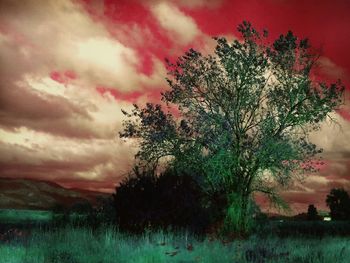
106	245
276	242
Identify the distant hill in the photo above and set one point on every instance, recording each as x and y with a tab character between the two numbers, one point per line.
32	194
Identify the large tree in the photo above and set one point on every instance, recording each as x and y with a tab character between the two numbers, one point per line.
242	119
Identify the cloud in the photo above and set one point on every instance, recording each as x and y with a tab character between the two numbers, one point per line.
180	27
331	69
199	3
189	4
30	53
333	137
30	154
103	60
78	43
70	111
55	124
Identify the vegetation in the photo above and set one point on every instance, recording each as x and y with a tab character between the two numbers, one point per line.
144	200
81	241
245	113
19	216
81	245
338	202
312	213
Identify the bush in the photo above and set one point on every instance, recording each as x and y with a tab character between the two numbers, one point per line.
144	200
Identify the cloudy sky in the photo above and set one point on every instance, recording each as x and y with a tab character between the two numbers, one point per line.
68	67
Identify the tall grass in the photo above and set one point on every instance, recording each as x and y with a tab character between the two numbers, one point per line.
107	245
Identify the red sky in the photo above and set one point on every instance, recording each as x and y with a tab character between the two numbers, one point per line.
67	68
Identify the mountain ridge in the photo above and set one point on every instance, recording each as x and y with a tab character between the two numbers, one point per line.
23	193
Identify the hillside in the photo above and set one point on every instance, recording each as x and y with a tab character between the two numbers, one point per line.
31	194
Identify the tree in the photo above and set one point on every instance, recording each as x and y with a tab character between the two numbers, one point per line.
312	213
338	201
245	113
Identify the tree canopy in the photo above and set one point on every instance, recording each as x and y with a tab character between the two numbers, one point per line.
243	116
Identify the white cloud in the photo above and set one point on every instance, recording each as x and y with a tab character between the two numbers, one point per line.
45	36
333	137
60	35
181	27
44	85
105	61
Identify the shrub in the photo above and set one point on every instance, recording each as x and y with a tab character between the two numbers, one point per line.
144	200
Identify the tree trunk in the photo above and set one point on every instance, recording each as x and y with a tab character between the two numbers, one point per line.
237	220
244	220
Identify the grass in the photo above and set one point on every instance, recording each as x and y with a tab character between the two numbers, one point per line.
22	216
14	216
276	242
106	245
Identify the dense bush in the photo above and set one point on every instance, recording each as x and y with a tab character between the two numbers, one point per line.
144	200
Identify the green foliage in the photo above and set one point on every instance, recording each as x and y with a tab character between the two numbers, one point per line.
219	168
236	211
245	113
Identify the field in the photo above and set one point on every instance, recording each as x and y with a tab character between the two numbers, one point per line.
20	216
70	244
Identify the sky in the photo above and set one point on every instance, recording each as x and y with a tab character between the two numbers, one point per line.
68	67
